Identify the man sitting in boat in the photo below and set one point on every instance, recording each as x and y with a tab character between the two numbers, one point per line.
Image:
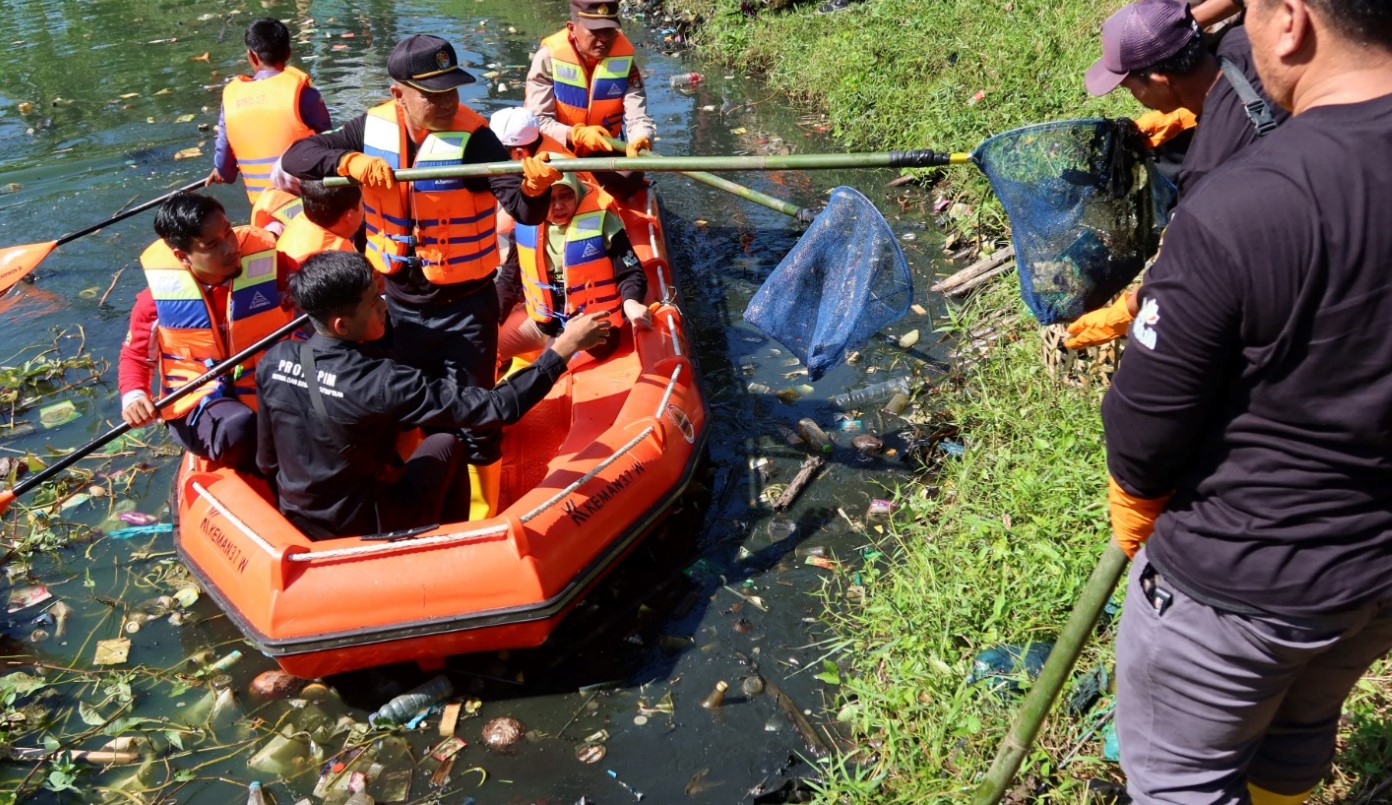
584	86
580	260
214	289
332	410
331	219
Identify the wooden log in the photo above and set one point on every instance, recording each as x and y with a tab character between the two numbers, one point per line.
803	478
948	284
978	281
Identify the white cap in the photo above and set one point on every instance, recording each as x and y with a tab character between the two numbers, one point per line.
515	126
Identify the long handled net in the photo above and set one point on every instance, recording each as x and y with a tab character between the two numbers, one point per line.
1086	207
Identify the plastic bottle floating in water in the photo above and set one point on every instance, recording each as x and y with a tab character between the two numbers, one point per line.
400	709
688	81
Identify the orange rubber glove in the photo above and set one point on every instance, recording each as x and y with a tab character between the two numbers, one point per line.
537	176
637	144
588	139
369	171
1133	518
1102	325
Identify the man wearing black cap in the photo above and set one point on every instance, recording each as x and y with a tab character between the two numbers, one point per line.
435	242
1154	49
584	86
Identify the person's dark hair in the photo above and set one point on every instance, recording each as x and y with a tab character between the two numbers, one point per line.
1365	22
269	39
323	205
1182	63
179	221
330	284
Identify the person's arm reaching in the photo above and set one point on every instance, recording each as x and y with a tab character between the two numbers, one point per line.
319	156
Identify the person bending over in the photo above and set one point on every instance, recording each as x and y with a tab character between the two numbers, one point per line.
332	409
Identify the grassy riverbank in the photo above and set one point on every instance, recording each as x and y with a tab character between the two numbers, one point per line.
994	548
907	73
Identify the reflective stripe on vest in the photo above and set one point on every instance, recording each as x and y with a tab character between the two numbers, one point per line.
596	99
190	334
275	205
440	224
587	273
302	238
262	120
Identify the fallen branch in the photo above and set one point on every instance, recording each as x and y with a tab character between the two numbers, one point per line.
949	285
803	478
979	280
114	278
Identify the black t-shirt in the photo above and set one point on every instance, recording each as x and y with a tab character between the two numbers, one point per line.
1257	385
1224	128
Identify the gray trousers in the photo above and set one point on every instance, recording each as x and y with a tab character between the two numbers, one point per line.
1209	700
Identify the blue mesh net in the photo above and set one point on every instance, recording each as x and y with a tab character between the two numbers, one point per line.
1086	207
844	281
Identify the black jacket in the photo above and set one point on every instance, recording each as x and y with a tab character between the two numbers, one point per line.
373	399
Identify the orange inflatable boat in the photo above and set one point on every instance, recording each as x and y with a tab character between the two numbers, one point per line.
585	475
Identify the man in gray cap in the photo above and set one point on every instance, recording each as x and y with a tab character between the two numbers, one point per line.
584	86
1154	49
437	244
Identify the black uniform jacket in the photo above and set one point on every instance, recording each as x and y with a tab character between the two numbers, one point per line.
373	399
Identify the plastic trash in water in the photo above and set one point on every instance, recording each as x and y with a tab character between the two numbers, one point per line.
141	530
400	709
682	81
138	518
813	434
716	696
1002	663
26	597
255	796
52	416
870	394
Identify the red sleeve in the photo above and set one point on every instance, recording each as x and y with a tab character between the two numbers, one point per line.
137	364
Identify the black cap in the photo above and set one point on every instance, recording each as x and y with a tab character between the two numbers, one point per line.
595	14
427	63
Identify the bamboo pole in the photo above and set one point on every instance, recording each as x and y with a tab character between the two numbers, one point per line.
882	159
1046	688
949	284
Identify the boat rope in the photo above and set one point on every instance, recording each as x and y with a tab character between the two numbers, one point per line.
652	242
561	495
475	535
671	386
672	331
232	518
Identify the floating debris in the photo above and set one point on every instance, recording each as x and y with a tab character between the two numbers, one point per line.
275	685
716	697
112	652
590	753
503	733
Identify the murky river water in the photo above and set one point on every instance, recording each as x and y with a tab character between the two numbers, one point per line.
117	90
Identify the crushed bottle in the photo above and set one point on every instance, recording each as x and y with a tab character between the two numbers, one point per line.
400	709
686	81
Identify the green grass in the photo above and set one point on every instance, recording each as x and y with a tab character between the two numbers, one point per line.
902	73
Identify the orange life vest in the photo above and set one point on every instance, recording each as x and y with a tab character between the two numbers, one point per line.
549	145
582	97
262	120
192	336
442	225
302	237
587	276
275	205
